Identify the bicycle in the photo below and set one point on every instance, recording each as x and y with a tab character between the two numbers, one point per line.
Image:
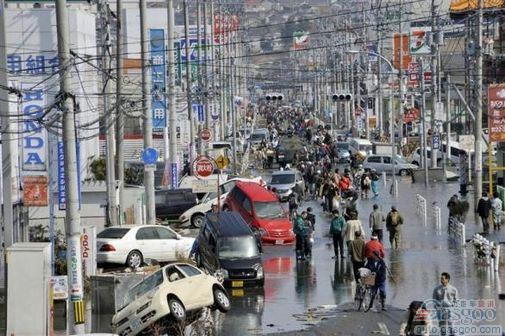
364	294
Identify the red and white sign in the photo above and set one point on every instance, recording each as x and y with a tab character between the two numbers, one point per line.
496	112
203	167
411	115
205	135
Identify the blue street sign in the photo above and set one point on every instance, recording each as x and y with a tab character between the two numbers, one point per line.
158	84
150	156
198	110
436	141
174	176
62	193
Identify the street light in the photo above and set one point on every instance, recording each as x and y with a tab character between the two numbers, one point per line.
393	148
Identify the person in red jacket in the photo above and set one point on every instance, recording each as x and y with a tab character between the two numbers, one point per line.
374	245
345	183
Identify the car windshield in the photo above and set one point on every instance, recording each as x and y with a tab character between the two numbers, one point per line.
343	145
238	247
113	233
258	136
145	286
365	148
400	159
270	210
283	178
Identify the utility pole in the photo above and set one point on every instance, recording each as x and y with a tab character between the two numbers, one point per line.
478	102
172	119
146	109
120	117
188	84
104	13
233	82
423	125
447	123
434	80
72	215
400	103
199	97
206	68
6	136
213	77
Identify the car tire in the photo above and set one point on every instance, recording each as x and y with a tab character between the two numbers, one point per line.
403	172
177	310
197	220
134	259
221	300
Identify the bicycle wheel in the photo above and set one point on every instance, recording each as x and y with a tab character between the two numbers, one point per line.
358	298
368	299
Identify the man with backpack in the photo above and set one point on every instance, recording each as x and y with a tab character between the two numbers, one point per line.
393	222
336	231
300	229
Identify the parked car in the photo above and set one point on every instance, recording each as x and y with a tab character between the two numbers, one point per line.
227	243
258	135
287	181
342	152
196	214
261	209
383	163
170	204
361	146
166	295
418	155
131	245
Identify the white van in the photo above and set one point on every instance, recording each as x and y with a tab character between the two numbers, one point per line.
362	146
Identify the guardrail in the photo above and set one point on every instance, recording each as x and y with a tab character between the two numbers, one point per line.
436	215
421	209
457	231
486	253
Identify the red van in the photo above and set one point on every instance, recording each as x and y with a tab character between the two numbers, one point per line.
261	209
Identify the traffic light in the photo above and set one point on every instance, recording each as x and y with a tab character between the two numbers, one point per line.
274	97
341	97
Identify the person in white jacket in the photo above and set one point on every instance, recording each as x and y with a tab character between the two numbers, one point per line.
353	225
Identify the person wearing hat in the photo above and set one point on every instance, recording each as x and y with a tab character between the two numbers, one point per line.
374	245
484	209
394	221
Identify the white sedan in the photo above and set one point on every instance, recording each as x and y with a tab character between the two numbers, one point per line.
131	245
166	296
197	213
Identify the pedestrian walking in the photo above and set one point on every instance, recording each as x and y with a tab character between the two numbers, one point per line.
445	297
497	207
377	220
337	226
365	185
483	209
377	265
353	225
300	230
372	246
394	221
357	253
375	183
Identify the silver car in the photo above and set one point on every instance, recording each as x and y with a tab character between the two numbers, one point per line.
382	163
287	181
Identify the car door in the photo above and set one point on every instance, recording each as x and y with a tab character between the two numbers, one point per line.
374	162
167	244
386	164
300	182
146	239
247	213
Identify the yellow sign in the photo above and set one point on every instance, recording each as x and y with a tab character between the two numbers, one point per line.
222	161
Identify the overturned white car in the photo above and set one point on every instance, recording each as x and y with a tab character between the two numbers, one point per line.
166	296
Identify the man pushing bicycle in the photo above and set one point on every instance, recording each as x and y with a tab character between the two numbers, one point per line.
377	265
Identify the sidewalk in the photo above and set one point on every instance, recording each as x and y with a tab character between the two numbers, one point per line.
349	322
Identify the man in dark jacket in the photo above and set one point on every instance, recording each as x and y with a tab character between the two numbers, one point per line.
337	231
301	231
483	209
393	224
378	266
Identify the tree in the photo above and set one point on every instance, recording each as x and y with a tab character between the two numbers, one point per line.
98	168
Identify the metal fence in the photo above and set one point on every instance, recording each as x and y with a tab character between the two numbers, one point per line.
457	231
486	253
436	215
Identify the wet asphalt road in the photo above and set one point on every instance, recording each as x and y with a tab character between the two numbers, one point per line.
292	287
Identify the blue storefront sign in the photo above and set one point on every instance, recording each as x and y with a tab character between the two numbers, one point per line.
34	134
436	141
62	193
199	111
158	81
174	174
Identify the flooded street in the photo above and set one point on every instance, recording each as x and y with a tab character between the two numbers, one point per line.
292	287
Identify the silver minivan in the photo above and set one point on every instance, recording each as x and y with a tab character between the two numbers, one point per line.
382	163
